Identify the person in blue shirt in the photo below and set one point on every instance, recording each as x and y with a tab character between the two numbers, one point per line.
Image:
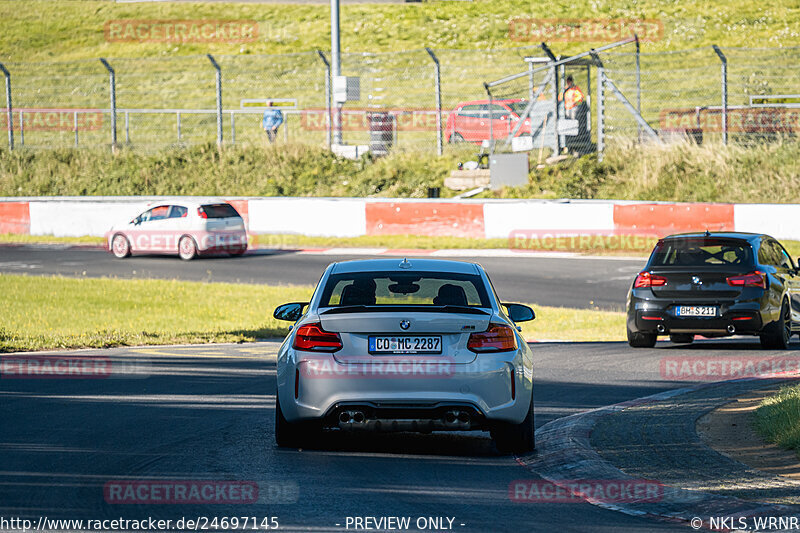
273	118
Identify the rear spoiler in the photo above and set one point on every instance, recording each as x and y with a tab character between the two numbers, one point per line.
461	309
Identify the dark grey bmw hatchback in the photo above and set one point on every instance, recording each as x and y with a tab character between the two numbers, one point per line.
715	285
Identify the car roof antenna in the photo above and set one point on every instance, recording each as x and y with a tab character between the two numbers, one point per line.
405	263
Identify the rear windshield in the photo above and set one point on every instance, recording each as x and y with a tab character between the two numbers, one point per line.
404	288
219	211
703	251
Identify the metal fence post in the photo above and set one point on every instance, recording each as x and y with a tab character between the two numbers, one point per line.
328	118
219	98
233	127
724	93
531	96
638	85
113	90
9	109
601	105
21	128
177	124
555	99
438	78
490	118
601	112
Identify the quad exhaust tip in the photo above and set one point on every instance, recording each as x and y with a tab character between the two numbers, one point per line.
731	329
660	328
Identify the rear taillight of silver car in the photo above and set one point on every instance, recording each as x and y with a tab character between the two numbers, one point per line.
498	338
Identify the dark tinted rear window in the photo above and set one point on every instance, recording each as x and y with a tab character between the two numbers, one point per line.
703	251
220	211
405	288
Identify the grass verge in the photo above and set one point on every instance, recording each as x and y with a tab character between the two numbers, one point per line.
55	312
393	242
681	172
778	418
401	242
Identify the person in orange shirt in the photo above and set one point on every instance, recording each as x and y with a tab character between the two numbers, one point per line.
572	96
575	107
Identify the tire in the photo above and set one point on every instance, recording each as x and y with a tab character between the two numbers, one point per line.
682	338
288	434
187	248
120	246
515	438
776	335
456	138
641	340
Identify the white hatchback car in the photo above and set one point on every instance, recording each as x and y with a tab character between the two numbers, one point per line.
185	228
420	345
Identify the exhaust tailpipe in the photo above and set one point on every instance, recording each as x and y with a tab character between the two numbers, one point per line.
463	417
351	417
660	328
450	417
731	329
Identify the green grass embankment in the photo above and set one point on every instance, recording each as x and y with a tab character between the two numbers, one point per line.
681	172
42	313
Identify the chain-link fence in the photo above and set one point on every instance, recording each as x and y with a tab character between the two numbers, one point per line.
707	94
710	94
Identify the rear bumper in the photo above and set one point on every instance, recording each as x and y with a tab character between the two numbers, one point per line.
220	241
654	315
405	392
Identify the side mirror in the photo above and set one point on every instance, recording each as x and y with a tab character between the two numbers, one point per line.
519	312
289	312
136	221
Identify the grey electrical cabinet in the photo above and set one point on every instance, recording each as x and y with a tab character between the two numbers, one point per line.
508	170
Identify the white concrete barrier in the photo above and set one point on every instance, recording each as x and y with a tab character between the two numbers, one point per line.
324	217
503	217
348	217
782	221
77	219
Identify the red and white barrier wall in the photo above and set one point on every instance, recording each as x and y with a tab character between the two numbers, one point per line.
351	217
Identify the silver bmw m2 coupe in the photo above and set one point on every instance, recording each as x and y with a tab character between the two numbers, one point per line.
414	345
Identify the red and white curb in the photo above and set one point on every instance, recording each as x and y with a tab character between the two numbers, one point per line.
564	453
